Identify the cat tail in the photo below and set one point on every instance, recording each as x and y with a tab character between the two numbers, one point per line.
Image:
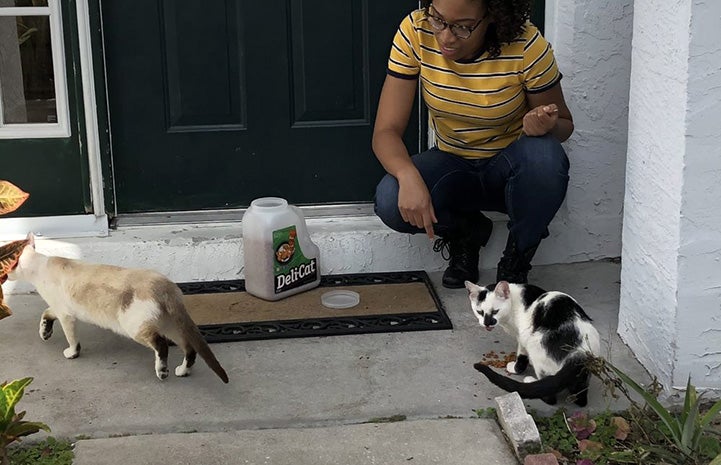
194	339
573	371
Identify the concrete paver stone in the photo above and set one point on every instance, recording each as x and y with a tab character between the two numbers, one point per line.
518	425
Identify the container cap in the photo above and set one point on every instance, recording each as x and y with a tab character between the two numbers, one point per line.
340	299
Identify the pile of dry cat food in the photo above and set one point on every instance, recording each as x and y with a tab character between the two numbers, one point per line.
498	359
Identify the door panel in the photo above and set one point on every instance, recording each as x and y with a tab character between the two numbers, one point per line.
188	45
215	103
346	79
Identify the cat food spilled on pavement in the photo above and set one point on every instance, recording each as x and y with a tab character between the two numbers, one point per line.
498	359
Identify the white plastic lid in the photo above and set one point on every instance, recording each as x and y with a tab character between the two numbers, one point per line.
340	299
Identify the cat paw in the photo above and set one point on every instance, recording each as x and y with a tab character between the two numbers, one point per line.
511	367
182	370
580	398
46	329
521	363
529	379
162	373
161	368
72	352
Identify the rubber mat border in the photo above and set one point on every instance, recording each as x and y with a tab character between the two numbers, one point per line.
335	326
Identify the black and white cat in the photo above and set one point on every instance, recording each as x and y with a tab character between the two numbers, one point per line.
553	333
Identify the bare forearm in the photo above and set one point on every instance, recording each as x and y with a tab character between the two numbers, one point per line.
563	129
392	153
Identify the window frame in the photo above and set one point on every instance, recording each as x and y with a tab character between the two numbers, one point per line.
44	130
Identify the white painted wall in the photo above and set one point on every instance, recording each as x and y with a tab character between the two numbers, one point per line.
670	280
592	43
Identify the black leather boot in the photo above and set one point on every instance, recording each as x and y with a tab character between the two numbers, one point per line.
462	248
515	264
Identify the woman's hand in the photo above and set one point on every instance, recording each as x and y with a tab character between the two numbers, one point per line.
414	202
541	120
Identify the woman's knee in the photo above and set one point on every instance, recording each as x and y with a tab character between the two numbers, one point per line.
543	155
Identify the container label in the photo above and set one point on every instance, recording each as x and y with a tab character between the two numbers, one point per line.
291	268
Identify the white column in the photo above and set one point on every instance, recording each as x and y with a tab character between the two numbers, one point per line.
670	309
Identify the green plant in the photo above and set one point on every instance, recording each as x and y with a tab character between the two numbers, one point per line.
12	425
686	430
488	413
646	433
555	434
47	452
11	197
606	438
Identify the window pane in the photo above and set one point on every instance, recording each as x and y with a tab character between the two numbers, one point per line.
23	2
27	84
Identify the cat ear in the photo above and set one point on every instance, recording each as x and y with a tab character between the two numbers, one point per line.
502	290
31	239
471	286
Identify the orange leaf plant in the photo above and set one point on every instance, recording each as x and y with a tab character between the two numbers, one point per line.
11	197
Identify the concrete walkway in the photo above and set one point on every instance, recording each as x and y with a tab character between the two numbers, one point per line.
420	442
307	400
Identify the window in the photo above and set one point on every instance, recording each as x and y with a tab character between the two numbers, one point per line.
33	91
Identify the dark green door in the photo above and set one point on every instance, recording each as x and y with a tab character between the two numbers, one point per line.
214	103
538	14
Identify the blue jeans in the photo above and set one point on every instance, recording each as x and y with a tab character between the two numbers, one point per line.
527	180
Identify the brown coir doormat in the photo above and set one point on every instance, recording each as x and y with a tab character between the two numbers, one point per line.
389	302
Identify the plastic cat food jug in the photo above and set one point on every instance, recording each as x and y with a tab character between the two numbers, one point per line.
280	259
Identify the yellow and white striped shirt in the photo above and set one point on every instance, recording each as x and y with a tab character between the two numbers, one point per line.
476	108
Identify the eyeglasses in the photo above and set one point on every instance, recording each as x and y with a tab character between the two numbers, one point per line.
438	24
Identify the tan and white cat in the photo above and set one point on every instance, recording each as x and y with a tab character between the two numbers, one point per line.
141	304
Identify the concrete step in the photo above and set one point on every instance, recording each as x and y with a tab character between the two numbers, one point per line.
418	442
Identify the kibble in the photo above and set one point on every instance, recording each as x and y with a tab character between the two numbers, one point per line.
498	360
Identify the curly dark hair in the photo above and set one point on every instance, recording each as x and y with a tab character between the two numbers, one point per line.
509	18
